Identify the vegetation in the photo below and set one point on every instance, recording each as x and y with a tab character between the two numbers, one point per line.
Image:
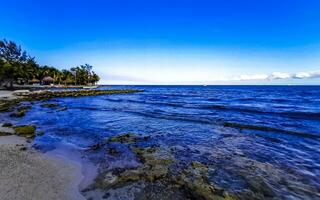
16	66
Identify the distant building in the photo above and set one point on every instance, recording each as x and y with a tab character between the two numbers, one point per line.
47	80
34	81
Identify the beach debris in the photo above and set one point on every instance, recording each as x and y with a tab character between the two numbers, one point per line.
25	130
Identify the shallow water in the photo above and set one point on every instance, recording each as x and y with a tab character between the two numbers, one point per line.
255	139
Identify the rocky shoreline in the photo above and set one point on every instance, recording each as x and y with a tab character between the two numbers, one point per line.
7	103
159	167
20	161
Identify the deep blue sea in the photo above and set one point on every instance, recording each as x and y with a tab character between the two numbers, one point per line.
253	138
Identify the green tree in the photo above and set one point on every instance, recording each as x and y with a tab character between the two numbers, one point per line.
18	67
14	59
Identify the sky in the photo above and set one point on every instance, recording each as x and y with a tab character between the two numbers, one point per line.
172	41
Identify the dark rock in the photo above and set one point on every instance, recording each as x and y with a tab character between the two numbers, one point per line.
106	195
4	133
23	148
49	105
7	125
17	114
23	108
95	147
112	151
128	138
25	130
40	133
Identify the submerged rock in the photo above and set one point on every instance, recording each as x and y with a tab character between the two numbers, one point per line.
49	105
40	133
195	180
8	105
24	108
95	147
17	114
7	125
25	130
20	112
112	151
156	167
128	138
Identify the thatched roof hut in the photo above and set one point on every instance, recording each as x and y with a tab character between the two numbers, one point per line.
34	81
47	80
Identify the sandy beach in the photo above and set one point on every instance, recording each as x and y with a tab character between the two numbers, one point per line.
27	174
7	95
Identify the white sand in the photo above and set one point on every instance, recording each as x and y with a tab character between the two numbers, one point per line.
7	95
27	175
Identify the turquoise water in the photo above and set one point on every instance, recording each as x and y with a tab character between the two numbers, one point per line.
258	139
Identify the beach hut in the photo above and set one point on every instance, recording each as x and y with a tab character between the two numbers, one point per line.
47	80
34	81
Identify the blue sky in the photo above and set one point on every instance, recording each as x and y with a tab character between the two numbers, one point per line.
173	42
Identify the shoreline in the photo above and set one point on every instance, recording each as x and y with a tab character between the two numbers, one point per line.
29	174
9	99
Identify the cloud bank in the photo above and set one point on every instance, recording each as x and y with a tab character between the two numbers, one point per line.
279	75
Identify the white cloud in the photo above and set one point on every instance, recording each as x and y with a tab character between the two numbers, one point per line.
279	75
302	75
253	77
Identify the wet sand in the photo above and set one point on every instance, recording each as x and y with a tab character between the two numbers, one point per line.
27	174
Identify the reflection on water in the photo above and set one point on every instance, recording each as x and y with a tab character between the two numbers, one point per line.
262	140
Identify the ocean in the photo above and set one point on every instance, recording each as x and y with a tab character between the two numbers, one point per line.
257	141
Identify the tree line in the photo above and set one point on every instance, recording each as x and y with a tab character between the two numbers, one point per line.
18	67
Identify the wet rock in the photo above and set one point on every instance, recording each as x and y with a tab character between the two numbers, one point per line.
62	109
49	105
17	114
156	164
112	151
44	95
195	180
4	133
7	125
110	178
4	107
25	130
8	105
40	133
23	149
95	147
199	166
20	112
6	129
23	108
128	138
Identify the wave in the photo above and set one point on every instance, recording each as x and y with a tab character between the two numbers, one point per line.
268	129
159	114
291	114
